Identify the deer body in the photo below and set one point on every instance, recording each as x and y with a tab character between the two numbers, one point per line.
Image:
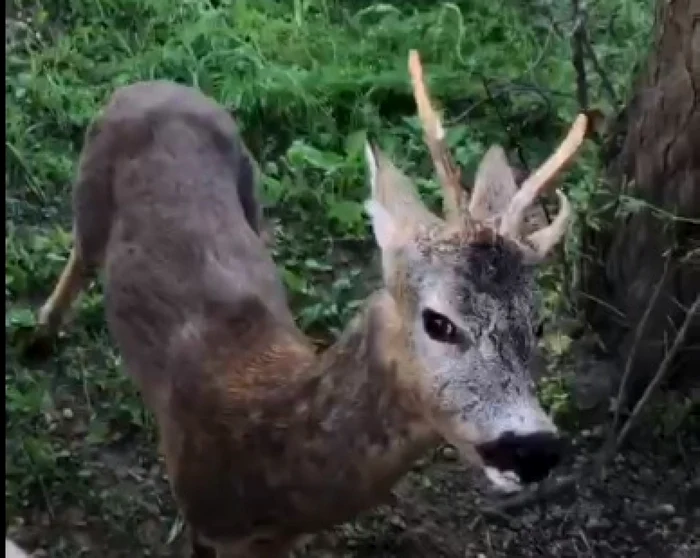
294	443
264	440
260	436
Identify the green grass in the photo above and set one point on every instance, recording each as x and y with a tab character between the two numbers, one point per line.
307	81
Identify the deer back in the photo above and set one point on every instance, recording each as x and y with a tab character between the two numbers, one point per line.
165	170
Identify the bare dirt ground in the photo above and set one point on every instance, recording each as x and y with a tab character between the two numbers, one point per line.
649	505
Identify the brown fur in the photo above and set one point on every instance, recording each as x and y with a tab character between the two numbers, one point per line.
264	440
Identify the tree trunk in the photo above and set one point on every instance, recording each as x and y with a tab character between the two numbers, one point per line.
655	158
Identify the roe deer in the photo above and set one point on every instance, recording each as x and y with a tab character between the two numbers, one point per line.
264	440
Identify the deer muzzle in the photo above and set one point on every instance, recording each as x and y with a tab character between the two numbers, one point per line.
521	458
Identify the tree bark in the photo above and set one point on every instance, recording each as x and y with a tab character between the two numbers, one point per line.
654	157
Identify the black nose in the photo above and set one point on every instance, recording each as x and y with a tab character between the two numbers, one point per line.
530	456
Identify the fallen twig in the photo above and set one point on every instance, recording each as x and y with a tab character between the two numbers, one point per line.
609	447
543	491
660	373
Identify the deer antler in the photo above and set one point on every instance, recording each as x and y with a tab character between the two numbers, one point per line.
434	136
538	182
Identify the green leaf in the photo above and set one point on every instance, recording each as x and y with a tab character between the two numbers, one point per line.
302	155
293	281
355	144
17	318
347	212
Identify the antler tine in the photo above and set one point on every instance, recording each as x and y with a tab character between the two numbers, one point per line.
434	136
543	177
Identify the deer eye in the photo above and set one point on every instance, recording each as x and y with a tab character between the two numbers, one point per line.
439	328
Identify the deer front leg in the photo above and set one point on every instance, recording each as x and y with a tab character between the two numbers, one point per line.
69	285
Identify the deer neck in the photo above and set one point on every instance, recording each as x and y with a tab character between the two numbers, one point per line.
320	436
349	413
362	395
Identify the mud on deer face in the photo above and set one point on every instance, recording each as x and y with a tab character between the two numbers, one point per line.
464	288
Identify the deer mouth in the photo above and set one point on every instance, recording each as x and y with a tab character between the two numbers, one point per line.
506	482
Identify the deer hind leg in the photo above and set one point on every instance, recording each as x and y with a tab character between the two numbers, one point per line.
64	293
91	233
93	216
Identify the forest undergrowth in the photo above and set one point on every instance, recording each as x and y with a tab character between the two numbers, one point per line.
307	81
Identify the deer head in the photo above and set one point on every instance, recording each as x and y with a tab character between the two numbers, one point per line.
463	286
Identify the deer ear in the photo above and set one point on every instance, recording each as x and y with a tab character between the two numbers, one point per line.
387	234
393	190
384	226
494	186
